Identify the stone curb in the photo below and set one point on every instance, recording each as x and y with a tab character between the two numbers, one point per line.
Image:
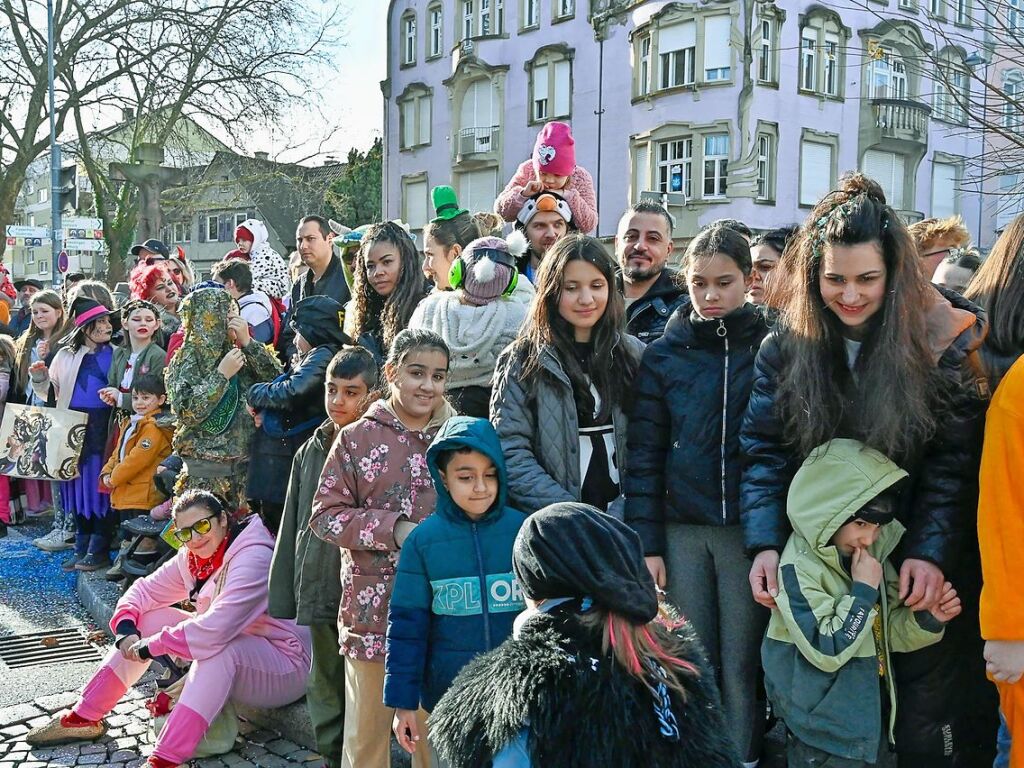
99	597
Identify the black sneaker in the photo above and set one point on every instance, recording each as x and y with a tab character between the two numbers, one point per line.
71	562
92	562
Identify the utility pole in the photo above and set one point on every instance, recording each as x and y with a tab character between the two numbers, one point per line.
55	189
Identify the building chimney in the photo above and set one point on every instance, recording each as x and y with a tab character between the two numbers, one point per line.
261	155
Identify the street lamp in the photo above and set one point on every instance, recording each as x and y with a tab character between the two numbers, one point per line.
974	60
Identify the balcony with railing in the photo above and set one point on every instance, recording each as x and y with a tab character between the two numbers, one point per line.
471	143
899	119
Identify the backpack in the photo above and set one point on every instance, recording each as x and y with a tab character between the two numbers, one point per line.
277	312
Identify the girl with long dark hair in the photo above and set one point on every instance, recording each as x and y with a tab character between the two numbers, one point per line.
388	285
867	349
559	389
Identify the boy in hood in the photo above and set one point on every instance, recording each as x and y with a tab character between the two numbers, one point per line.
827	654
455	594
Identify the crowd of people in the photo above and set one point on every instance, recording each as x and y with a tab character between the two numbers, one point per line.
522	501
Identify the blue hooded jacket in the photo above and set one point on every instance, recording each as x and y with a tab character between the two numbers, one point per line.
440	617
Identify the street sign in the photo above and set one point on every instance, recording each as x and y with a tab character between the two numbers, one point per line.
78	244
82	234
14	230
81	222
63	262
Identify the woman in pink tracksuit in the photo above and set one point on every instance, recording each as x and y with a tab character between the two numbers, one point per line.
238	652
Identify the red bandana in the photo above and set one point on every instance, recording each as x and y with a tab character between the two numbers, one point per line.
203	568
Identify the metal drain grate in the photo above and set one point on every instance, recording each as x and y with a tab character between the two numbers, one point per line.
58	646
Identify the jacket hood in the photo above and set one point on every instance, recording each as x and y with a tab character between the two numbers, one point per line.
666	285
252	534
836	480
466	432
382	412
260	236
954	324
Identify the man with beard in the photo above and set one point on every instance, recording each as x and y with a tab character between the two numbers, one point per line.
653	290
543	219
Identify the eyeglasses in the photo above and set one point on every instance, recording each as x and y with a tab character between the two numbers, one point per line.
944	252
200	527
149	261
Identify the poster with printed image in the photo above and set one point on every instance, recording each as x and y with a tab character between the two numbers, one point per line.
41	443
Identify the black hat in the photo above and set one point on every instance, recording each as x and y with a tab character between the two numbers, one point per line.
84	311
19	284
574	550
153	246
320	320
881	509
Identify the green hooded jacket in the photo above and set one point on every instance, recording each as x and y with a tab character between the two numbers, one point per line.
820	655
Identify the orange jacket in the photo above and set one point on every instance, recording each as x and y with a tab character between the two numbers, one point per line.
1001	511
131	480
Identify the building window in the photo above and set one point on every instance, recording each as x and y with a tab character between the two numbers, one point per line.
887	76
887	168
468	17
564	9
485	17
212	230
945	182
765	70
414	115
764	166
44	194
963	12
477	189
717	48
808	60
815	172
182	232
675	166
1014	19
436	30
937	8
677	54
239	218
1013	90
531	14
831	56
414	202
551	82
716	164
478	103
409	39
645	65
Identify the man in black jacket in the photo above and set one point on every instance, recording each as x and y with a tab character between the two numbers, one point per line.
314	241
643	244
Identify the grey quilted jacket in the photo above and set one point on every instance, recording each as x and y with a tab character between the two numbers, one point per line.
539	434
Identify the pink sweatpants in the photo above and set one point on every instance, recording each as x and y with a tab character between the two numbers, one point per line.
249	670
5	499
37	494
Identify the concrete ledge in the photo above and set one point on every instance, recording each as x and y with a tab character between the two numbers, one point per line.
99	597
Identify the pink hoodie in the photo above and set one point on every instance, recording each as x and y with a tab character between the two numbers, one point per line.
233	601
578	193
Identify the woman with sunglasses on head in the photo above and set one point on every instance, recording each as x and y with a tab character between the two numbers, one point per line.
238	653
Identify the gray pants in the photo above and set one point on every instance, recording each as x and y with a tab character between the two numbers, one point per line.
800	755
707	570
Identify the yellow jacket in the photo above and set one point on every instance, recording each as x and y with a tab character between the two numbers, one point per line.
131	479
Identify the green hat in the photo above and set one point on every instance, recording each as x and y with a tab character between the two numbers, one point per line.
446	205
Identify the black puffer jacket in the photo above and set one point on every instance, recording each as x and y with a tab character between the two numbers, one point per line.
691	393
648	316
939	507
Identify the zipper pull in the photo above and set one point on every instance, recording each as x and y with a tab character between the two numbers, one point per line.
721	330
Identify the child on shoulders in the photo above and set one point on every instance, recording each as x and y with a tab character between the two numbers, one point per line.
552	168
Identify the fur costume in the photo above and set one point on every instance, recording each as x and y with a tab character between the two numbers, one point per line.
583	709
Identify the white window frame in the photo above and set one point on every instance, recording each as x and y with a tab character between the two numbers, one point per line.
183	231
549	99
239	218
669	154
564	9
830	64
409	106
808	198
436	16
669	63
893	67
1014	15
531	14
937	8
468	18
644	69
1013	92
409	39
963	12
44	194
764	166
809	59
484	25
766	66
213	219
716	168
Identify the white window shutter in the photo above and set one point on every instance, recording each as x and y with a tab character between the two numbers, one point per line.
423	107
815	171
477	189
677	37
943	190
540	82
408	109
416	204
563	106
887	169
641	159
717	52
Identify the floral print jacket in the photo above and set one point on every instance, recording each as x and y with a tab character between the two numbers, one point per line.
375	475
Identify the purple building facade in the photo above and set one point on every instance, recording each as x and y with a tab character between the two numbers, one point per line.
664	103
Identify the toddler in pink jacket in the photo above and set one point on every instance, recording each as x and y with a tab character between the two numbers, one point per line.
552	168
237	651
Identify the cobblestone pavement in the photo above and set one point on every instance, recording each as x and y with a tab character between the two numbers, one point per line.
128	741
